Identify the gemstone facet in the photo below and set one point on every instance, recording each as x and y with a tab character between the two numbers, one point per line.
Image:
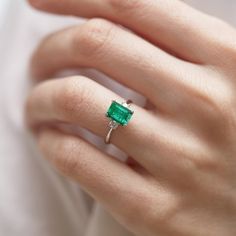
119	113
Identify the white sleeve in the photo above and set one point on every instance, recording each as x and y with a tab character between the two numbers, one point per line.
35	199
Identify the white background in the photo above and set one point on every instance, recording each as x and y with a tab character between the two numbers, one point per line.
3	4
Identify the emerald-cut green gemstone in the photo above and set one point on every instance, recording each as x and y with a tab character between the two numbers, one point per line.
119	113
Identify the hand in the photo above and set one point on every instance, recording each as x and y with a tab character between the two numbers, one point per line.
183	61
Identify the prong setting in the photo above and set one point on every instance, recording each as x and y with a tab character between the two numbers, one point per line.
119	114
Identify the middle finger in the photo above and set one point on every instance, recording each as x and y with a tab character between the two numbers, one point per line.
118	53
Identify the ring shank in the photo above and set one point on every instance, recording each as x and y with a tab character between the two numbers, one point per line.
108	137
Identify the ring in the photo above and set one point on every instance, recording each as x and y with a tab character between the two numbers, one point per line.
119	114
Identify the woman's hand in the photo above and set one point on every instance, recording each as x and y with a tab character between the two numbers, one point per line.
184	62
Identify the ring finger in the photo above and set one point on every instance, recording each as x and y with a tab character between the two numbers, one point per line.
81	101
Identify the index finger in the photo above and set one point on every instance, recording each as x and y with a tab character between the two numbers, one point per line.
169	24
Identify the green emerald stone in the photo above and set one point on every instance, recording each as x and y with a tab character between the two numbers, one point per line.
119	113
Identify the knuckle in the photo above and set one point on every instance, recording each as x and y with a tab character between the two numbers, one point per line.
169	207
221	112
136	212
227	49
205	163
73	96
143	208
140	210
123	5
216	104
224	46
91	37
65	160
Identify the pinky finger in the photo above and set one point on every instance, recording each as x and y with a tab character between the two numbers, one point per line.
113	183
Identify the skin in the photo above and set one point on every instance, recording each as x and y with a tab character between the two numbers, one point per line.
181	175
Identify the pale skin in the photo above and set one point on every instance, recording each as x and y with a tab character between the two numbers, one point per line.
182	180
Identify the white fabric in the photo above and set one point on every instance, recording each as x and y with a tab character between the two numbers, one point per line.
34	199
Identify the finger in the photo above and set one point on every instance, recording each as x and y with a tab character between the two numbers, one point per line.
158	145
81	101
109	181
170	24
122	55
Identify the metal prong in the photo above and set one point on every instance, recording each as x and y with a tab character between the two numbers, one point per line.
112	126
129	101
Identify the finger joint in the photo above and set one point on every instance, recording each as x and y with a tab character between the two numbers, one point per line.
90	39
